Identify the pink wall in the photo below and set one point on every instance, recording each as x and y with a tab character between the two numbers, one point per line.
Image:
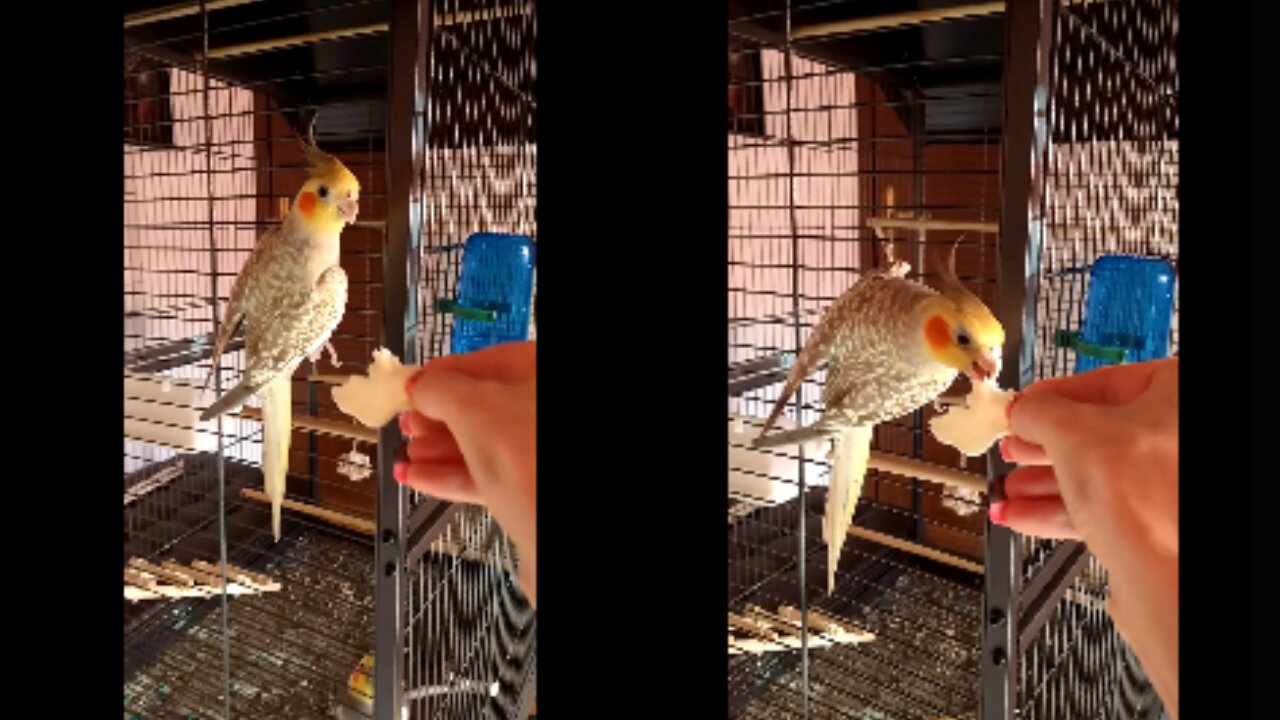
166	233
166	227
827	219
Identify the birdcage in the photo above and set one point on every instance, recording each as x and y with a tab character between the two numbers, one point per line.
860	132
430	106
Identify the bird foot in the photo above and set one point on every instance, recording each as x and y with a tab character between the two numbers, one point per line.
315	357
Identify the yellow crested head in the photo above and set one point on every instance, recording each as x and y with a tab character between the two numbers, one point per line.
330	198
959	330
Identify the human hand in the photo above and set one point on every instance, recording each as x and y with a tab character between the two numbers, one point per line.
473	439
1099	457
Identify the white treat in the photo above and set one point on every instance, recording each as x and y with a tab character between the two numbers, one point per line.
962	501
976	426
374	400
355	465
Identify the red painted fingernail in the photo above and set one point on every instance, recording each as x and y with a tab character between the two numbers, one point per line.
1004	449
404	425
401	472
998	512
408	385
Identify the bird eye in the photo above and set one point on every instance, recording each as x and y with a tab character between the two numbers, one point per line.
962	339
323	192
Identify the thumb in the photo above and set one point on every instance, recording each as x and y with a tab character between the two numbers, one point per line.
1048	419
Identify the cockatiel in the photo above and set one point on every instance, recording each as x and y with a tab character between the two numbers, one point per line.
289	297
890	346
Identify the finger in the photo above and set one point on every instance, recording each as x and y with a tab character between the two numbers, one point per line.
450	397
1038	517
505	362
415	424
442	480
1016	450
1050	420
1037	481
438	446
1111	385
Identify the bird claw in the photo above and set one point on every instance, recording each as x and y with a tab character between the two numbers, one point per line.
315	357
333	355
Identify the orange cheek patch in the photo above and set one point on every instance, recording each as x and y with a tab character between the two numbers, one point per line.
307	203
937	332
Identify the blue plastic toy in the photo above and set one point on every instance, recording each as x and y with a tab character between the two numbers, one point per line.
1128	314
495	290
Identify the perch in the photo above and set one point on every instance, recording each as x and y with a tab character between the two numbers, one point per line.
954	561
885	223
897	20
360	525
179	11
447	19
772	478
341	519
320	425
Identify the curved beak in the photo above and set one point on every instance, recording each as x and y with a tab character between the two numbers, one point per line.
350	209
986	367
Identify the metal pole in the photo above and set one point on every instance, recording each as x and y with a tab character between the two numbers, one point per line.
801	496
1028	38
404	157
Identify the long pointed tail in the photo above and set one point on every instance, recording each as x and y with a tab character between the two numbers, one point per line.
850	452
277	420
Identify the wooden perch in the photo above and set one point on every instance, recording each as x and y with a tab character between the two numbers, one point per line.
144	580
173	12
322	379
955	561
341	519
915	549
443	20
907	467
897	20
242	49
324	426
891	223
366	527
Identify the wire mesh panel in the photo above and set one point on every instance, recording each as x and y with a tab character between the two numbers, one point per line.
851	134
469	631
222	620
1110	187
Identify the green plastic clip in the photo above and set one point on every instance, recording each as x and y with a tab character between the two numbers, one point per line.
445	305
1073	340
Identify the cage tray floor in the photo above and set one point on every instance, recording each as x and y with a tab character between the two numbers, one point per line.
291	651
923	663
